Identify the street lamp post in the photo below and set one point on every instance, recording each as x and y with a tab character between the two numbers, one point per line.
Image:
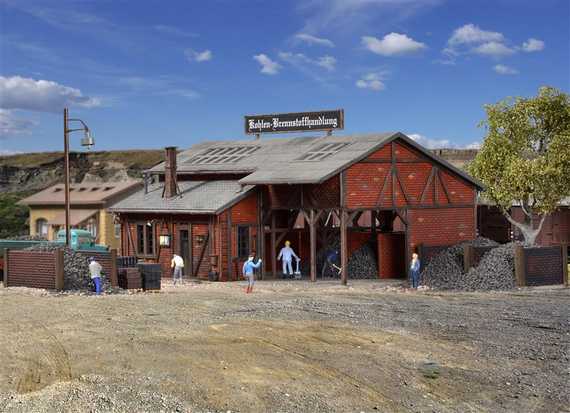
86	141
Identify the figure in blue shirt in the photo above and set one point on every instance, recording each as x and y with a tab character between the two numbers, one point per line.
248	271
415	270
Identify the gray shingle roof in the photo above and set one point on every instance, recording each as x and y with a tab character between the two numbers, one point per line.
278	160
196	197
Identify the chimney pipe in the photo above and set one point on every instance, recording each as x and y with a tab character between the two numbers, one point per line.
170	185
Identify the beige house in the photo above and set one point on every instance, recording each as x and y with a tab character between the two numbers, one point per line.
89	203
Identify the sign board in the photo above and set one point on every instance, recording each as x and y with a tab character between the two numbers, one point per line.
295	122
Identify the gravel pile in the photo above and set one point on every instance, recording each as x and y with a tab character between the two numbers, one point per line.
363	263
76	267
495	271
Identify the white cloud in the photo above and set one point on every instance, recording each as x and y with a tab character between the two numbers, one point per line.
11	125
470	34
505	70
533	45
493	49
473	145
174	31
8	152
328	62
471	39
268	66
194	56
354	15
372	81
440	143
313	40
159	86
392	44
41	95
302	61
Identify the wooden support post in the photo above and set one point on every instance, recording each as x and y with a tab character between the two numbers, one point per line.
520	266
6	266
343	247
260	233
313	242
114	277
230	272
60	270
273	247
468	251
565	264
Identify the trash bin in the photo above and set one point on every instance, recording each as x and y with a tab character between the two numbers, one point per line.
151	275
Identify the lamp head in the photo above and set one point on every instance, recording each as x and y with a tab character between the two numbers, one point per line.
88	139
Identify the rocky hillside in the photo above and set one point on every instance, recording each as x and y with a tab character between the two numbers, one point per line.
31	172
24	174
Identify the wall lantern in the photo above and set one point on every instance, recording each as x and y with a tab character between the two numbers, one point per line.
164	240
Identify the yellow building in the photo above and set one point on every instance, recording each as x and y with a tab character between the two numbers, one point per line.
89	203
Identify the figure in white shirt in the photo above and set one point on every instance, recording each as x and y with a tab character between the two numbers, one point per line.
286	256
178	264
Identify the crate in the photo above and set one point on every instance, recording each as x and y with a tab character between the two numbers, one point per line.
151	275
130	278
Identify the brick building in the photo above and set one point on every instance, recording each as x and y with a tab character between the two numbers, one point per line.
217	201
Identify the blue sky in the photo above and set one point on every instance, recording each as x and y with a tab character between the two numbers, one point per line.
146	74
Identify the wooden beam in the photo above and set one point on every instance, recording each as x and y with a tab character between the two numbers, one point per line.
435	187
343	247
230	270
425	190
342	189
273	247
393	172
289	228
381	195
260	233
313	243
444	186
406	198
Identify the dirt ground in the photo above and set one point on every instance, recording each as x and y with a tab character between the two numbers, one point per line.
288	347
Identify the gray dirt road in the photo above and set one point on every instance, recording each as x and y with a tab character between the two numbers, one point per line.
289	347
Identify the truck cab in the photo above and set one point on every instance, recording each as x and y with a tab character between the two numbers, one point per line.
80	239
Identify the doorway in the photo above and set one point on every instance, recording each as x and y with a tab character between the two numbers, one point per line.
184	251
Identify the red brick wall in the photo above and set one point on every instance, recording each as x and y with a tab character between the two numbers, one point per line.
366	181
391	255
31	269
441	226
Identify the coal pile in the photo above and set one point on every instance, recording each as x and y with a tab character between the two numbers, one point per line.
495	271
363	263
76	269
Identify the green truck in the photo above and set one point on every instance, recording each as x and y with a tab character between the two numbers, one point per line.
79	240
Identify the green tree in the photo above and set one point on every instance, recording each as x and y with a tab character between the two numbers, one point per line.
525	157
13	217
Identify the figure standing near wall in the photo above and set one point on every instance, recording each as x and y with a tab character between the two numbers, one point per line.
415	270
95	272
178	264
286	256
248	271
